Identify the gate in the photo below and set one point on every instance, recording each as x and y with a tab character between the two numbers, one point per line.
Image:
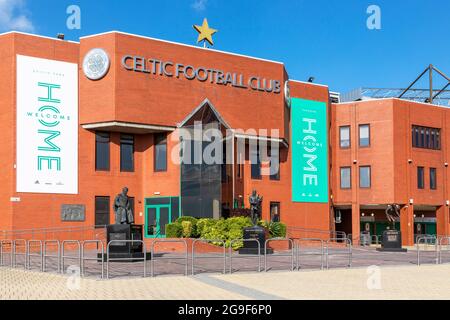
30	253
427	241
306	253
224	254
291	254
347	252
84	258
46	255
247	255
155	258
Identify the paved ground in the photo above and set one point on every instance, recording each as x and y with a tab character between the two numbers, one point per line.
398	282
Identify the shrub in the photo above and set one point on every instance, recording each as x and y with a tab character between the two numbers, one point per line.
277	230
174	230
193	233
186	229
203	225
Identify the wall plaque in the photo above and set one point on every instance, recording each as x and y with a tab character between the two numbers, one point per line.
73	212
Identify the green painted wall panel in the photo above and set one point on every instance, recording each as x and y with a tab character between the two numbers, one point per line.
309	151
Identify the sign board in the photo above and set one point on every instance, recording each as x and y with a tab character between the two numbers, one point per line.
309	151
47	126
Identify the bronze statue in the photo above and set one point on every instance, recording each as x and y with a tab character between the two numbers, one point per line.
122	208
392	213
255	207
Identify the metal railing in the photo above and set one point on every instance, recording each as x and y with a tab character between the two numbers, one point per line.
430	238
441	244
109	259
2	252
348	252
292	253
321	253
42	233
376	238
102	256
155	258
224	254
30	254
46	255
247	255
63	253
327	234
17	253
427	241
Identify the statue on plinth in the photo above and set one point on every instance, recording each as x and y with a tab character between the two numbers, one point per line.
255	207
392	213
122	208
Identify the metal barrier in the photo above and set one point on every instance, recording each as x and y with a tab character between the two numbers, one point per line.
322	251
108	258
377	239
292	254
30	254
186	257
425	240
349	253
63	253
2	252
247	255
84	258
440	241
57	256
16	254
224	255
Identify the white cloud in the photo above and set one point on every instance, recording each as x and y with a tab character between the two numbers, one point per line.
13	16
199	5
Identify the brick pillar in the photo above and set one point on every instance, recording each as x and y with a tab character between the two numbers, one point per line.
407	225
356	225
442	220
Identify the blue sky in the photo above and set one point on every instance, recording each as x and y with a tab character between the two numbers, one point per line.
327	39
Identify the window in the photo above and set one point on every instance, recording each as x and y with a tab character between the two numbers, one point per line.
275	212
364	135
255	160
101	211
102	151
126	153
420	178
275	165
364	177
160	158
346	178
344	136
433	180
426	138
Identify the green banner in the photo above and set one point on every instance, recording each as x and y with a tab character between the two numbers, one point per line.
309	151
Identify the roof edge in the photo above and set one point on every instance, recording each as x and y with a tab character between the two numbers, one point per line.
36	35
181	44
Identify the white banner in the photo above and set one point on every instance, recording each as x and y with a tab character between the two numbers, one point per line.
47	126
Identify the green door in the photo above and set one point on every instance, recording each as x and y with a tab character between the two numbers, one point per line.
157	217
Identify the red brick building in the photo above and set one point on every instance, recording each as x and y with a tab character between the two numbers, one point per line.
137	93
130	113
402	147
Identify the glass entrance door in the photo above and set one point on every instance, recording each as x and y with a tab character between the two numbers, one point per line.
157	217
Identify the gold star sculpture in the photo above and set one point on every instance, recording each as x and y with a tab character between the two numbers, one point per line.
205	32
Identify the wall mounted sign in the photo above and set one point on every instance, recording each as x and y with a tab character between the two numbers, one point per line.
47	126
309	151
287	94
96	64
202	74
73	212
